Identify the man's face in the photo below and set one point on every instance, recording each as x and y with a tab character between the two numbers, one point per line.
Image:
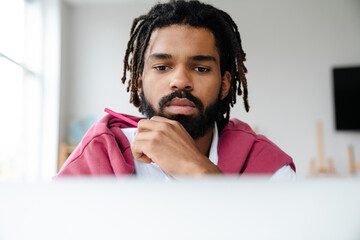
181	78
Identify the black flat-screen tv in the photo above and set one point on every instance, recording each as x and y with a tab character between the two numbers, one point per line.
346	84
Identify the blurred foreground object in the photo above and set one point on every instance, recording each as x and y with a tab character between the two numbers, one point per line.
212	208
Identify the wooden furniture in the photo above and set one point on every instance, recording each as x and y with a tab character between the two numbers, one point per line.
64	152
353	167
319	167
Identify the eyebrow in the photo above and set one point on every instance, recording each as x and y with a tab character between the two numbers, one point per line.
160	56
201	58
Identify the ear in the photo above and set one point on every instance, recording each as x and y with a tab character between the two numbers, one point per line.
225	84
139	82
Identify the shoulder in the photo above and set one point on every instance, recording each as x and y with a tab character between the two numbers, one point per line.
103	150
238	130
254	153
235	131
108	126
98	130
236	124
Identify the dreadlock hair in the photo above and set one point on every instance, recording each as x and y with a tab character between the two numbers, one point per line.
195	14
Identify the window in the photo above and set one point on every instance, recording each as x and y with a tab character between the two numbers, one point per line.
21	89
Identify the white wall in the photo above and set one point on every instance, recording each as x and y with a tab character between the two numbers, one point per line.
291	48
51	88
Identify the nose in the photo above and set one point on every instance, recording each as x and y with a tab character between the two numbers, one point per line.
181	80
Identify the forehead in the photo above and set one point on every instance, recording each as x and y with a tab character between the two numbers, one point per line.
182	40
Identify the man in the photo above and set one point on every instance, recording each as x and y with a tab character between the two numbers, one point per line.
186	67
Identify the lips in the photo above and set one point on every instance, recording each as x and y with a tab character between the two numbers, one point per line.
181	106
182	102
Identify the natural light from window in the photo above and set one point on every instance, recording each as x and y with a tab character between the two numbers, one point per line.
20	89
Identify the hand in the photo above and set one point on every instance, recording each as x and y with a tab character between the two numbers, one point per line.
169	145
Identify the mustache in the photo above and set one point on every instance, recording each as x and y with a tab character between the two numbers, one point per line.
180	94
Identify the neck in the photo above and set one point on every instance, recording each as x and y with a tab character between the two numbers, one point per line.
204	142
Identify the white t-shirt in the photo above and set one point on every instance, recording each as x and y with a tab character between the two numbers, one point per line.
152	170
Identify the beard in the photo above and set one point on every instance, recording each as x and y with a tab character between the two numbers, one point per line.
196	125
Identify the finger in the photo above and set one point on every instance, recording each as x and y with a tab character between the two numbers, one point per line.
163	119
144	125
160	119
146	135
137	151
145	159
155	124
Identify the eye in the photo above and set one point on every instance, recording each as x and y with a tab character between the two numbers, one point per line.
161	68
202	69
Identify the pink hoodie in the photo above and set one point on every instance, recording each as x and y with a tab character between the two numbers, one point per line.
105	150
